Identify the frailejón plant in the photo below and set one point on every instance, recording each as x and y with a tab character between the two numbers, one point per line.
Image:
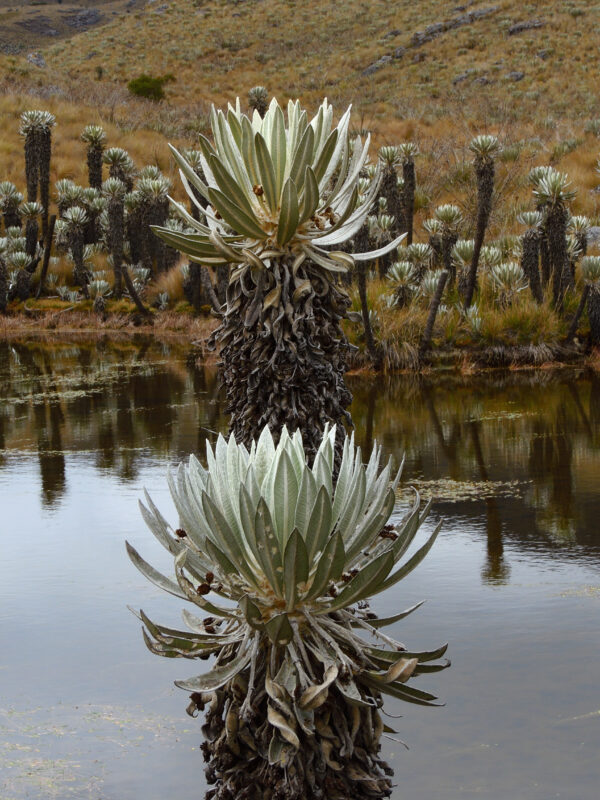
281	197
283	561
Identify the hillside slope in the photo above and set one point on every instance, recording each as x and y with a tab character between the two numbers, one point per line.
30	24
400	59
433	73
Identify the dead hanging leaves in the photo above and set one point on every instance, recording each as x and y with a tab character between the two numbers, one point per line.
283	353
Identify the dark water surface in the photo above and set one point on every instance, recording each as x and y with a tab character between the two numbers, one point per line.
513	581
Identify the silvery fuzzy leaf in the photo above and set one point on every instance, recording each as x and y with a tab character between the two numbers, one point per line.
279	630
251	612
235	216
341	148
198	599
268	549
329	567
421	656
349	691
358	161
325	157
400	691
310	195
268	180
382	622
354	508
230	187
289	214
382	251
152	574
295	569
302	157
265	453
158	525
366	583
218	557
278	148
226	537
413	562
216	677
343	485
307	494
319	523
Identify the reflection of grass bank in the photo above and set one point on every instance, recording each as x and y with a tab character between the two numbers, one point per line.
121	318
523	337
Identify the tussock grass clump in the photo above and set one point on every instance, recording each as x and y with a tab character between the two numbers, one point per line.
171	283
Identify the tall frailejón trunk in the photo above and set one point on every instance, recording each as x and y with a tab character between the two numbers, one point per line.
530	258
425	343
95	153
80	275
283	352
389	189
556	231
31	236
45	150
116	233
449	239
3	286
593	307
545	257
408	196
485	189
32	164
361	244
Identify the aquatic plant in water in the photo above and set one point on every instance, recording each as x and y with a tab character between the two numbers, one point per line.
283	561
281	197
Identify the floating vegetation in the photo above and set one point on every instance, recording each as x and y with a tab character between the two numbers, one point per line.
45	752
583	591
447	490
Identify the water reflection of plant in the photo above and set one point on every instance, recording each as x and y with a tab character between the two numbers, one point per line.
117	403
295	686
127	399
495	429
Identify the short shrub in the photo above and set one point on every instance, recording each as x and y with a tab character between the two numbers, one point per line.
149	87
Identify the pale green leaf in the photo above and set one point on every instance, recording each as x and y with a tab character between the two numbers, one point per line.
216	677
288	216
235	216
295	568
267	172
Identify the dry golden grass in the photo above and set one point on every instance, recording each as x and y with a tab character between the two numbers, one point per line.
220	49
170	282
68	152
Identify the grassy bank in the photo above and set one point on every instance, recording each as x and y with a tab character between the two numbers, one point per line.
455	348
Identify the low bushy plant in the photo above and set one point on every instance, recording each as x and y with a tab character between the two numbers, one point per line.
149	87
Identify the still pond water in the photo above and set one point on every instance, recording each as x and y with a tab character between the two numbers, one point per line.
513	582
